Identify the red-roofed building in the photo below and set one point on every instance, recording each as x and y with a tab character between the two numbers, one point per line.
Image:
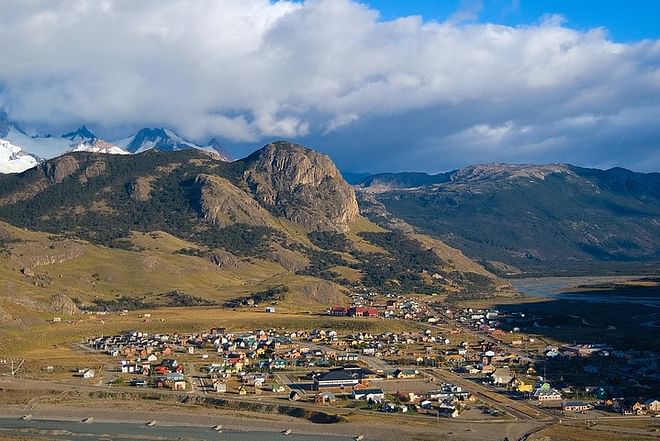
362	311
338	310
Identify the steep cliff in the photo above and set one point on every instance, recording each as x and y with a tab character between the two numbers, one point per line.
302	185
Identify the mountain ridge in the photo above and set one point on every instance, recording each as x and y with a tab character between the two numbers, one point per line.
83	139
532	216
114	233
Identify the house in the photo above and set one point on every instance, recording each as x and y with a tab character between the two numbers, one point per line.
337	381
576	406
447	409
639	409
488	369
347	356
502	376
220	387
88	373
404	373
325	398
523	387
175	381
338	311
652	405
295	396
545	393
374	395
362	311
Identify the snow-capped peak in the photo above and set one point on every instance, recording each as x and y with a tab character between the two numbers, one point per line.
219	149
98	146
166	140
20	151
13	159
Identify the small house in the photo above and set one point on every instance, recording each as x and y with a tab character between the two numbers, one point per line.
576	406
652	405
325	398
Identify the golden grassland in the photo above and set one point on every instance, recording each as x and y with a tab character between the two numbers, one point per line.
629	429
44	339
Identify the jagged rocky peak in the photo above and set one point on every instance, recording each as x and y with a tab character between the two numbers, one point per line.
302	185
82	134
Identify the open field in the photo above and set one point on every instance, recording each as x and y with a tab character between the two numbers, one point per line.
601	430
36	340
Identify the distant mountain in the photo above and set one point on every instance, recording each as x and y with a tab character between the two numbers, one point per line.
83	134
83	139
219	149
165	140
98	146
13	159
536	218
386	181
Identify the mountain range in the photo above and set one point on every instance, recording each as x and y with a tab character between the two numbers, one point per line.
280	225
536	219
512	219
20	151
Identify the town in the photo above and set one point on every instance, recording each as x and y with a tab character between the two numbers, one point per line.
467	363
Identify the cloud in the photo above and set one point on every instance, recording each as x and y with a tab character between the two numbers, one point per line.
468	10
399	94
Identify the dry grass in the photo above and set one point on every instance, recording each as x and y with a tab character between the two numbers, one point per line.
602	431
48	341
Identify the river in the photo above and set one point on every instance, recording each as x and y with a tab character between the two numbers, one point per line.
560	288
106	431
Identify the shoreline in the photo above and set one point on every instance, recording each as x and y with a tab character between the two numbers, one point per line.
251	423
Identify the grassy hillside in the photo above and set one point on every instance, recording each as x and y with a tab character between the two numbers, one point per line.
183	229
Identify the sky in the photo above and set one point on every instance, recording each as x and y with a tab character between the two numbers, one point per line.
379	85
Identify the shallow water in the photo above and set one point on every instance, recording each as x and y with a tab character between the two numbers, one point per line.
76	431
557	287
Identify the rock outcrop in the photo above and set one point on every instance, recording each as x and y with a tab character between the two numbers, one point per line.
302	185
59	168
224	204
62	304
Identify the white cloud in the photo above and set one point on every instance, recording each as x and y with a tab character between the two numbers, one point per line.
251	70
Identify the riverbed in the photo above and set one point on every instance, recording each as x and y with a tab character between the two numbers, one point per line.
124	431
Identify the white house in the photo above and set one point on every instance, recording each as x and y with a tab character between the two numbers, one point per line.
653	405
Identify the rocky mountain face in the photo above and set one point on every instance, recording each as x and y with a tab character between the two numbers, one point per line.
534	218
301	185
280	180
